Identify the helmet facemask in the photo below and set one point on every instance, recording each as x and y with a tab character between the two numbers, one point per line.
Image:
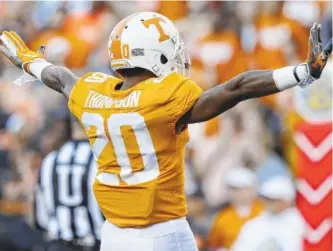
181	58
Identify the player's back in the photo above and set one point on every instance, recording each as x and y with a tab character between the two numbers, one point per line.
140	157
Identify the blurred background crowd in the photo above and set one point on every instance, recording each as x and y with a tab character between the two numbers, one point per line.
228	158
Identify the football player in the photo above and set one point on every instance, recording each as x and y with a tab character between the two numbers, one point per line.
137	124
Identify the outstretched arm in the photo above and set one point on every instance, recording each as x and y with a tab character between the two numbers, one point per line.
217	100
254	84
57	78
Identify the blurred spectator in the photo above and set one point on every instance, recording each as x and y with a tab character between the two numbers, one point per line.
15	234
272	165
269	162
241	142
246	13
242	206
12	198
276	37
4	158
71	38
280	41
327	23
46	14
219	55
57	130
198	217
174	10
311	11
280	226
192	181
85	31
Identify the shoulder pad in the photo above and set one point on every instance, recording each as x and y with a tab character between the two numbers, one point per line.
173	78
97	78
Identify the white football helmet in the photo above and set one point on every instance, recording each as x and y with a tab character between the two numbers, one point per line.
150	41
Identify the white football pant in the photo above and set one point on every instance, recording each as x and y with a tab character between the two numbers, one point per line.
172	235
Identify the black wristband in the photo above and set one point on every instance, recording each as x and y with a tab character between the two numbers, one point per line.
295	74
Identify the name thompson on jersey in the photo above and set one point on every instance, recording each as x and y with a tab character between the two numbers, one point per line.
99	100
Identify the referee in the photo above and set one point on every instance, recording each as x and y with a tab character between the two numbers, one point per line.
66	210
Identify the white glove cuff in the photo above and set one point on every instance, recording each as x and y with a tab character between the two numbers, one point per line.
290	76
36	67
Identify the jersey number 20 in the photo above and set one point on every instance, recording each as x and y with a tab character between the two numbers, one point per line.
144	141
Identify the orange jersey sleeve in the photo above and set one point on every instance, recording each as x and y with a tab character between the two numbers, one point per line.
182	99
74	100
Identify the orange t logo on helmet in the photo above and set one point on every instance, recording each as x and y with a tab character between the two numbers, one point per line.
156	21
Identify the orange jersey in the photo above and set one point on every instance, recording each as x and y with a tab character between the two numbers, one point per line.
140	159
227	225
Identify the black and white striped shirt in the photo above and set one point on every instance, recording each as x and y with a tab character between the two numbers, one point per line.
65	206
